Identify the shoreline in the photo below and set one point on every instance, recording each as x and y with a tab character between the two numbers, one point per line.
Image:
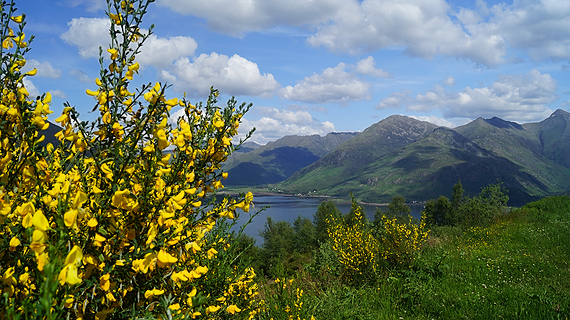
336	200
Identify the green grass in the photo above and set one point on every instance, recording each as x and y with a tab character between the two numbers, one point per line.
517	268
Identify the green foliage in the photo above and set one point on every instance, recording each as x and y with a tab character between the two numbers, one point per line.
398	206
305	235
484	208
438	212
278	243
326	210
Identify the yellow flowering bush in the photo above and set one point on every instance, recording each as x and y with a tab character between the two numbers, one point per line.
364	252
402	240
354	244
114	221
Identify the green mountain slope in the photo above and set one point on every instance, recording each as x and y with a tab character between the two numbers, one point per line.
552	137
276	161
520	146
348	160
479	153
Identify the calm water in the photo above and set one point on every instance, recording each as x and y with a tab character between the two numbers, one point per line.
288	208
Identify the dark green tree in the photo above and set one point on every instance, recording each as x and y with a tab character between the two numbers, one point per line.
398	206
305	235
278	243
350	218
326	210
483	209
437	212
457	198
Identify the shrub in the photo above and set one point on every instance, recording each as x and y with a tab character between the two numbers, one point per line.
113	221
402	240
355	246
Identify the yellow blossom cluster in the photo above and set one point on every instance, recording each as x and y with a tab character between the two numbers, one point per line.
354	244
402	241
113	218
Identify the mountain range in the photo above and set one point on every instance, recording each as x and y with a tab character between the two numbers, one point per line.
416	159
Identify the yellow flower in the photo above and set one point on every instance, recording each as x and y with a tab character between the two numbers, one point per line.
114	53
212	309
104	282
149	294
17	19
232	309
14	242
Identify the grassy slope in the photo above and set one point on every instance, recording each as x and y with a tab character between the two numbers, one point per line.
518	268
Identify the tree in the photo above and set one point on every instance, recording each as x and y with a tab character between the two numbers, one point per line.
457	198
305	235
278	243
326	210
482	210
436	212
398	206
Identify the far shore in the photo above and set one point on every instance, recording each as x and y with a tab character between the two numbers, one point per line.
336	200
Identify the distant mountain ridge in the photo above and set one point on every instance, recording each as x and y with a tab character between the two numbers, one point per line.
401	155
277	160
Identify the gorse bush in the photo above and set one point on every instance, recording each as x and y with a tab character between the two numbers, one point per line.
113	221
354	244
364	251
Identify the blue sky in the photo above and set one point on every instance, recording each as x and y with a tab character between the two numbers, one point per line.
313	67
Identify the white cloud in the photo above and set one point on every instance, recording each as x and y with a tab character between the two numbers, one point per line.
276	123
58	93
80	75
435	120
449	81
423	27
88	34
537	27
235	17
333	85
161	52
511	97
393	101
234	76
367	67
92	5
45	69
32	90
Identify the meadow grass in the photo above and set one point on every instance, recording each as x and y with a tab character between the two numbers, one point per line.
516	268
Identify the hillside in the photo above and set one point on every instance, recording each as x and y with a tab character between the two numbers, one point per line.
479	153
276	161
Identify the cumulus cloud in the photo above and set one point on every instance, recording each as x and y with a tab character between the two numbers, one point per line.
276	123
273	124
449	81
537	27
58	93
88	34
92	5
367	67
80	75
511	97
436	120
236	17
393	101
29	85
45	69
333	85
423	27
232	75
